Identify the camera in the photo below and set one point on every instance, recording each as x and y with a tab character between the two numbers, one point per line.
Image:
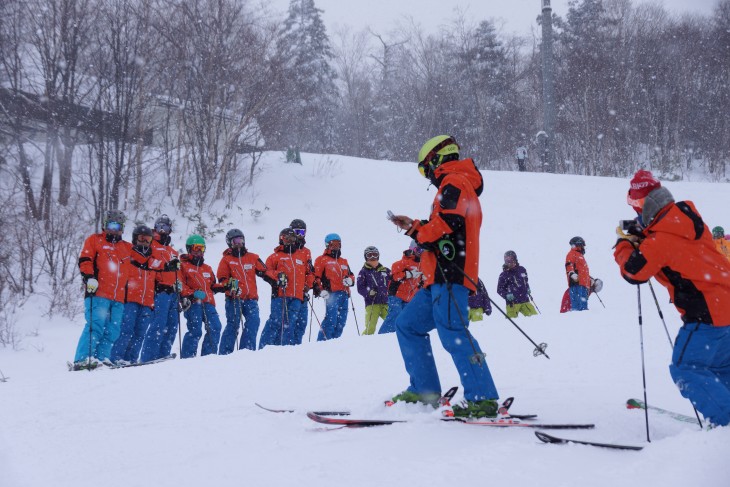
631	227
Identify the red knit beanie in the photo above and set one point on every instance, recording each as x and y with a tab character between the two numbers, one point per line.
642	184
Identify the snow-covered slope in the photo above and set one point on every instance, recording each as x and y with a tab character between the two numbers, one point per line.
193	422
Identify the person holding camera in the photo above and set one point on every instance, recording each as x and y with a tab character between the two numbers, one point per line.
674	245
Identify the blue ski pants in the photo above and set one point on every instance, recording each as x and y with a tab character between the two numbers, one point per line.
161	334
103	322
137	319
445	310
300	325
395	306
578	298
279	328
235	308
201	315
335	316
701	369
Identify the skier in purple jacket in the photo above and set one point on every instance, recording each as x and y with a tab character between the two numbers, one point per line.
479	303
372	283
514	287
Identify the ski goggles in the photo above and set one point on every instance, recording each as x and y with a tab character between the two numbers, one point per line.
237	240
197	248
372	255
145	239
163	228
114	226
637	204
300	232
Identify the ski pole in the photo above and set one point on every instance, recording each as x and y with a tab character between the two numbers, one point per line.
539	349
671	344
643	369
311	307
179	325
599	298
354	315
533	302
311	312
284	316
91	336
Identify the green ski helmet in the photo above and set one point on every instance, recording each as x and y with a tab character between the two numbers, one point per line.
194	240
435	151
718	232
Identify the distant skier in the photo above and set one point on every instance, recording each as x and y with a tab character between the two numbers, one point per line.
675	247
198	301
237	272
139	305
580	283
718	235
288	272
372	284
479	303
513	285
407	279
521	156
333	280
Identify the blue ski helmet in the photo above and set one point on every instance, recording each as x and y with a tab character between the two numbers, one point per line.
330	237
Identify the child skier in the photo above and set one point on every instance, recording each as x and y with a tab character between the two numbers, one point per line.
514	287
372	284
407	279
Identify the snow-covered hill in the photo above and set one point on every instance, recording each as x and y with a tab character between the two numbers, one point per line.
193	422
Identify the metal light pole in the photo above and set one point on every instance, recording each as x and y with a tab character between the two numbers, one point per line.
548	90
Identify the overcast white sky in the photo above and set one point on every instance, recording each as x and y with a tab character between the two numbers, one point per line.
518	15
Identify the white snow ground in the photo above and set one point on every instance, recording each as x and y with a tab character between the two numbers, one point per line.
193	422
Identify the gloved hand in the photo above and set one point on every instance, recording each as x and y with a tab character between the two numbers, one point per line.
92	285
233	285
306	292
413	274
373	292
282	279
596	285
476	314
177	286
510	297
184	304
348	281
573	276
174	264
324	294
199	295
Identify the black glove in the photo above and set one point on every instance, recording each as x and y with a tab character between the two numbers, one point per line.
282	280
173	265
184	304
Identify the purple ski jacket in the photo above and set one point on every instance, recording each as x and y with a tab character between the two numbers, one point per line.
373	279
514	281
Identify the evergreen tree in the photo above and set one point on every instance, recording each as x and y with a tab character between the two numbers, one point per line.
308	79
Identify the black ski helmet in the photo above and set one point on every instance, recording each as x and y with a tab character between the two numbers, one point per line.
298	224
140	230
233	233
163	224
577	242
288	233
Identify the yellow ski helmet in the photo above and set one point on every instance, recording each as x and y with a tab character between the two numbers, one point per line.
434	151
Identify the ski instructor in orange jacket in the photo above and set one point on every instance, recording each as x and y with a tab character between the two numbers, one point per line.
674	245
450	263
